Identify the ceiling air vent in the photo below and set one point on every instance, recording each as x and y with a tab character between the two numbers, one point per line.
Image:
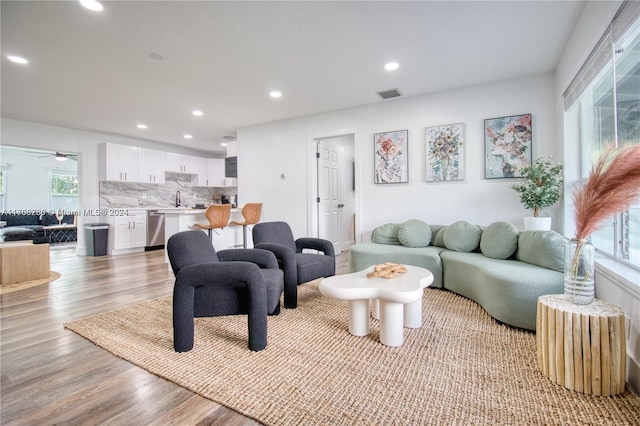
388	94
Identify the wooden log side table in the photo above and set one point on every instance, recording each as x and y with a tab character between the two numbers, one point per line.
582	347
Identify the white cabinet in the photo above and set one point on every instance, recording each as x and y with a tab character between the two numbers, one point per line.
130	231
150	166
216	171
121	163
211	172
181	163
203	173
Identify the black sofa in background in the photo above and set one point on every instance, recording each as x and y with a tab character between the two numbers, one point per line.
21	227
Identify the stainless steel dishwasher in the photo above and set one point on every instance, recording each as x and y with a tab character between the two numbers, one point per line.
155	229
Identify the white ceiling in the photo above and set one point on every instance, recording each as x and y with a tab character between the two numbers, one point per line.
92	71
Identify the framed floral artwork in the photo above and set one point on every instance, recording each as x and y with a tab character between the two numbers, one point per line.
445	153
391	157
507	145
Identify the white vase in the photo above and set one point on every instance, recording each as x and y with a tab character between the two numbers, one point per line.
537	223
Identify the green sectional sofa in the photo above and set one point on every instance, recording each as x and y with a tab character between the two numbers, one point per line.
502	269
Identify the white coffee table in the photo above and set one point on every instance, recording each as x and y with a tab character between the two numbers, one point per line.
400	300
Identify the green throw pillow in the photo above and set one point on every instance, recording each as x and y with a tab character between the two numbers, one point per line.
438	240
542	248
386	234
499	240
462	236
434	234
414	233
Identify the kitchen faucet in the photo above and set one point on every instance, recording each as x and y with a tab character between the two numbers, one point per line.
177	198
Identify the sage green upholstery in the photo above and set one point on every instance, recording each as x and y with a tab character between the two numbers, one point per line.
507	289
361	256
506	281
414	233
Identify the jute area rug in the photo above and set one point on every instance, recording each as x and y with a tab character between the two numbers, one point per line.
461	367
10	288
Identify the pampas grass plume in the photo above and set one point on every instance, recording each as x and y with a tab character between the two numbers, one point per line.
612	186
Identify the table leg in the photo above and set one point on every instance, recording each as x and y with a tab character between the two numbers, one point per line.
391	323
413	314
359	317
375	308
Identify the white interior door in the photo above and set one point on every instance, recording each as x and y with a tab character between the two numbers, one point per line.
329	205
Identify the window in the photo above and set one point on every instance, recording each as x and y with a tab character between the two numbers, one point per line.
3	180
603	104
64	190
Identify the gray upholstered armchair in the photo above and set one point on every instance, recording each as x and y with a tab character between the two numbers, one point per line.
225	283
299	267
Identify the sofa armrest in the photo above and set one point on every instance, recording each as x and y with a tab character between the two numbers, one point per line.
319	244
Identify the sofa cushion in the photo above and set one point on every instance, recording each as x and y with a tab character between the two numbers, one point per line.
462	236
386	234
414	233
499	240
542	248
16	233
438	240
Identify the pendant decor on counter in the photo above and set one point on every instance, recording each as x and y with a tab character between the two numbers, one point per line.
579	284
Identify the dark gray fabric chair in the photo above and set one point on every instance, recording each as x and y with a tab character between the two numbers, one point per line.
298	267
225	283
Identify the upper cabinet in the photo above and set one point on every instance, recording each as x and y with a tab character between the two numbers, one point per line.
211	172
124	163
151	166
121	163
180	163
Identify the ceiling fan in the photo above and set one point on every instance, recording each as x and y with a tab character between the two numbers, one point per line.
60	156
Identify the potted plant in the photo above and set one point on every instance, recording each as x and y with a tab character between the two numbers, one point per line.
539	188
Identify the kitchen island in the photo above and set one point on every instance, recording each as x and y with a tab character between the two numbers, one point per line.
182	219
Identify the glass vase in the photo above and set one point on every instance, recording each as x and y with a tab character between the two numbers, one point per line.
579	285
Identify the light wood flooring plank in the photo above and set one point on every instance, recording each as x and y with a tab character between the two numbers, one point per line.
49	375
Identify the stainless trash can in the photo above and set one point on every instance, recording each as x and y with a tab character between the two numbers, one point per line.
96	235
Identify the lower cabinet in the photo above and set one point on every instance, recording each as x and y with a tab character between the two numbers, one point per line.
130	231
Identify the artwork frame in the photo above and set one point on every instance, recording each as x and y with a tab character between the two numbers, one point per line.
446	149
391	157
508	143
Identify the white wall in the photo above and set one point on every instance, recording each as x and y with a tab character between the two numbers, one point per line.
615	283
268	150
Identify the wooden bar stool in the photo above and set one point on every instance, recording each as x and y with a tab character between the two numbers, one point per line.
251	213
218	216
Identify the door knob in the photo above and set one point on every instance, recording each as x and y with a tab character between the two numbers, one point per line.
340	206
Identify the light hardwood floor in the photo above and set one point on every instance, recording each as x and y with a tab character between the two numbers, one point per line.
50	375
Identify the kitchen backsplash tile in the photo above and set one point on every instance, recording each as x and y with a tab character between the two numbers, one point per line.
150	195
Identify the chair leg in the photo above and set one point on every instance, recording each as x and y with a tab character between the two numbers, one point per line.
244	236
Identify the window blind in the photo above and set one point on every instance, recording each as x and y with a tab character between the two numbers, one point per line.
602	53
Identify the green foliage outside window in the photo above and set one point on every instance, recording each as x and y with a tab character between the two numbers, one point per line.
64	184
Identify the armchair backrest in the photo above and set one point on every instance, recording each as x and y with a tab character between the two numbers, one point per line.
274	232
188	248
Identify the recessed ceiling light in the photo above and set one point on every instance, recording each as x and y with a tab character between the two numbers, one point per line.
188	136
197	113
391	66
17	59
141	126
275	94
92	5
223	144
